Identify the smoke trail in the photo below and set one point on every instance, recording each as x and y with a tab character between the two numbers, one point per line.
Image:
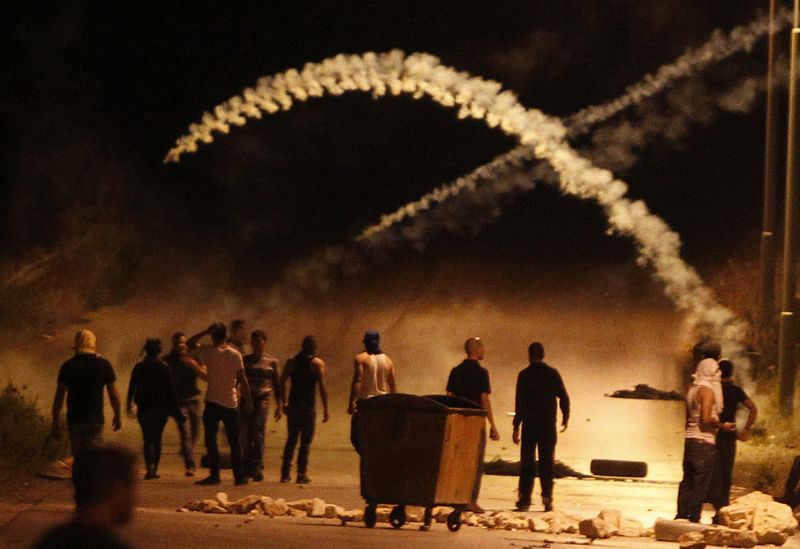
716	49
422	75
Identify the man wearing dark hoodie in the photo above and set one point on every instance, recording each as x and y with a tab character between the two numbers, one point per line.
373	374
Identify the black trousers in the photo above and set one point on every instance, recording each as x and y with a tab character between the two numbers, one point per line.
152	423
301	421
719	490
542	441
698	466
212	415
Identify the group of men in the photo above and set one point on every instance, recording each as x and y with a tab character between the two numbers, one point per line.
239	388
711	433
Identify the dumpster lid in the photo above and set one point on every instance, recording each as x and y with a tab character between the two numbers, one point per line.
432	403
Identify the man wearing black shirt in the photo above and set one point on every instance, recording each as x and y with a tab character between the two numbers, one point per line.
82	379
538	386
732	396
470	380
185	377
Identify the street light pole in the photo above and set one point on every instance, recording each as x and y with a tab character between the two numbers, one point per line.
787	358
770	175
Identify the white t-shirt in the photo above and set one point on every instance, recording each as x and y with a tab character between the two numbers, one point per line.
222	365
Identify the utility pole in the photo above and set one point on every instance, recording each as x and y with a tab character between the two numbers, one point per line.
787	358
770	176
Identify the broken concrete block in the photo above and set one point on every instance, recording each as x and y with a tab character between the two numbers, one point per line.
517	524
611	517
317	508
593	528
352	515
382	513
692	540
440	513
301	504
415	513
729	537
536	524
222	498
244	505
499	520
630	528
559	522
277	508
671	530
332	511
772	537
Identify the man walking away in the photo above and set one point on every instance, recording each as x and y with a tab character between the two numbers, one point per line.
538	387
153	390
470	380
224	368
261	370
373	374
82	379
184	374
306	371
732	396
105	497
703	405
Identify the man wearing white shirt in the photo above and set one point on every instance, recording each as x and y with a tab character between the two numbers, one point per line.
223	370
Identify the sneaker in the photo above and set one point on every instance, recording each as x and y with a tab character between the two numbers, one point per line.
150	475
523	507
208	481
240	481
258	476
548	505
189	472
303	479
285	479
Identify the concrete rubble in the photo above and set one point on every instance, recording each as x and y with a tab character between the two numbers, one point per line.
754	519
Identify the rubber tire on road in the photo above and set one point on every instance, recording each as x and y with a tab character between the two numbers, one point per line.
618	468
397	516
370	516
454	521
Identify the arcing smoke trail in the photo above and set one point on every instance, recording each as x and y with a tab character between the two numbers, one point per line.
714	50
422	75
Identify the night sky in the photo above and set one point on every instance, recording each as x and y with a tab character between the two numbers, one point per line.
96	93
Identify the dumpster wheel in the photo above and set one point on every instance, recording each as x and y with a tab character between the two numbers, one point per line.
370	515
397	517
454	521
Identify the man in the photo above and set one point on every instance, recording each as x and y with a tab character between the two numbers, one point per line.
238	335
470	380
105	496
306	371
224	368
538	387
184	374
373	374
261	370
732	396
82	379
704	404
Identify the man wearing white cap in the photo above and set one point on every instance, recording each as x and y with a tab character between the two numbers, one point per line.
81	380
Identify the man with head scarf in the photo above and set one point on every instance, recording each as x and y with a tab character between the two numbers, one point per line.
81	380
373	374
704	404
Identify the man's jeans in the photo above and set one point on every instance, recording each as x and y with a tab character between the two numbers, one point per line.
301	421
84	435
188	430
698	466
212	415
252	435
541	440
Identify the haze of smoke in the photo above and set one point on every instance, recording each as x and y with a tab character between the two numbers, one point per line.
716	49
422	75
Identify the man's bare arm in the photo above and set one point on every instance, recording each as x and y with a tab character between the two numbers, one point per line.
58	405
751	419
486	404
192	341
113	397
323	389
355	387
706	397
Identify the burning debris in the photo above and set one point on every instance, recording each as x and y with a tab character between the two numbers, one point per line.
644	392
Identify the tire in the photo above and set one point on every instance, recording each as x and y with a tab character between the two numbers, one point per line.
370	516
618	468
454	521
397	517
